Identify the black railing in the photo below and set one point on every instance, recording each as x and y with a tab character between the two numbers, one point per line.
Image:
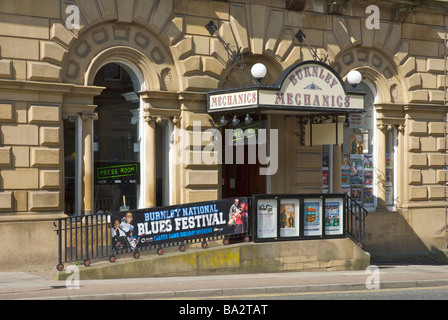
271	218
356	221
83	238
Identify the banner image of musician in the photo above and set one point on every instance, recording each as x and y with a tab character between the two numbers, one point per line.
151	227
123	236
238	217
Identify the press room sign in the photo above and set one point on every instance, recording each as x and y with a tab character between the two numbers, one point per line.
107	173
310	85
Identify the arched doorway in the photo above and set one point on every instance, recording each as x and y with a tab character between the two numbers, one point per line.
117	140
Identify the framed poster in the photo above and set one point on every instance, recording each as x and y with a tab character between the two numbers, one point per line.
312	224
267	218
368	197
368	162
345	178
356	171
345	161
289	217
368	178
333	216
356	193
325	179
356	144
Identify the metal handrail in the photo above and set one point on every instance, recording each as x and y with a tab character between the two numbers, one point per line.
356	221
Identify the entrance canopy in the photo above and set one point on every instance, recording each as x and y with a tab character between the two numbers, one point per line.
306	88
310	90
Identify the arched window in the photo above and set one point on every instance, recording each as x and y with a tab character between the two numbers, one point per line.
116	141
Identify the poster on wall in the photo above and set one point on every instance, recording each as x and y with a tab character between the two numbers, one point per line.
325	179
368	162
312	217
267	218
345	190
333	216
368	178
151	227
356	171
345	178
289	212
345	161
356	194
389	160
389	195
368	197
356	144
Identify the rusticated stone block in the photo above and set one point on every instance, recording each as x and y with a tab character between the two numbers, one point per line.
49	179
43	200
19	179
6	68
6	112
21	157
52	52
428	144
5	200
428	177
41	114
436	65
21	134
436	128
415	177
418	193
436	192
414	144
419	160
21	200
61	34
437	160
43	71
49	135
41	157
441	176
417	127
5	156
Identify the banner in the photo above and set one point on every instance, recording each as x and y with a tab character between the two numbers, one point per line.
151	227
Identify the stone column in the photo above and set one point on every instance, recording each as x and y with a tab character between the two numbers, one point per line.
337	158
381	167
150	164
87	157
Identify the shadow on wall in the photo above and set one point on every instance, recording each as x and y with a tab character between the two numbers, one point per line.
391	239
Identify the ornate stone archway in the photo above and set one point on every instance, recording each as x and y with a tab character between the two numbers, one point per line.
109	41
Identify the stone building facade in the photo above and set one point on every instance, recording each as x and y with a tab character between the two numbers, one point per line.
53	77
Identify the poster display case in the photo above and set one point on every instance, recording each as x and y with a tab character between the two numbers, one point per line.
298	217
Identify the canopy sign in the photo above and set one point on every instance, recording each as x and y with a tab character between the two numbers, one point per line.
308	86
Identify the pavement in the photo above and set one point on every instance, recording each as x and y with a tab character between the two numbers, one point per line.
41	286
